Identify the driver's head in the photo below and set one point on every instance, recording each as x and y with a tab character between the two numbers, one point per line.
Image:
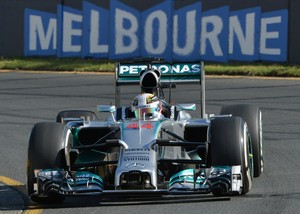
146	106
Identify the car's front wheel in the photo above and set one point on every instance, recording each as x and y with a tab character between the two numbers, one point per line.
253	117
230	146
45	151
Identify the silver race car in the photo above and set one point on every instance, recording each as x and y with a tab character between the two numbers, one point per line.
150	147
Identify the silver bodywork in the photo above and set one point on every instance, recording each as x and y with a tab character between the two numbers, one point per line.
143	148
139	153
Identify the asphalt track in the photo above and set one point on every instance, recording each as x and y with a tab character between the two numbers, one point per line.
28	98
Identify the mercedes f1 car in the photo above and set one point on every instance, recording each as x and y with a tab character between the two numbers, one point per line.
136	152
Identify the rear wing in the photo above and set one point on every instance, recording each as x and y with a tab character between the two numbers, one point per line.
128	73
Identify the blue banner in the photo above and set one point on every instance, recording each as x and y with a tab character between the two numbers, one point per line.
182	32
125	32
69	28
95	39
157	31
214	35
274	36
244	36
186	31
40	33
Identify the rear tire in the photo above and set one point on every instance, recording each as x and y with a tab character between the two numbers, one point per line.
253	116
230	146
45	150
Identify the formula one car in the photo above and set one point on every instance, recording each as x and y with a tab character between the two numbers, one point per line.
150	147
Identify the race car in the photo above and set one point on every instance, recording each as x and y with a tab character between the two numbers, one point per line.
149	147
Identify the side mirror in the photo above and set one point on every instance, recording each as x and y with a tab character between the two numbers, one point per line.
106	108
186	107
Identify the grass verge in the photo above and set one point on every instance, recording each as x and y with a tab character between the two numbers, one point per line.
74	64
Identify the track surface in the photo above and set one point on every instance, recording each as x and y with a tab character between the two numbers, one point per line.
28	98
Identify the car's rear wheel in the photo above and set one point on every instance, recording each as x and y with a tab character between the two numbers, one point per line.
45	151
253	117
230	146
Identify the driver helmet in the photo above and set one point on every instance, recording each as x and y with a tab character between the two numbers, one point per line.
146	106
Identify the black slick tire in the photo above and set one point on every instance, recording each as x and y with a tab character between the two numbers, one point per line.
230	146
45	150
253	117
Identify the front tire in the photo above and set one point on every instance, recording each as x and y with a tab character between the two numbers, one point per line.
45	150
230	146
253	116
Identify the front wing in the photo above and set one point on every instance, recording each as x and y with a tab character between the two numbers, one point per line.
77	183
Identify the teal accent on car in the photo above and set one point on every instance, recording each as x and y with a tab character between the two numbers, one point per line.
185	176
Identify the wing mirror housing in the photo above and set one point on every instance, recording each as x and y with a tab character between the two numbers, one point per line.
106	108
186	107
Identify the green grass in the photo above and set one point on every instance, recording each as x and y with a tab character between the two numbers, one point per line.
254	69
54	64
82	65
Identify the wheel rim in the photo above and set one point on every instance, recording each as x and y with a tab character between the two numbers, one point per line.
261	142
